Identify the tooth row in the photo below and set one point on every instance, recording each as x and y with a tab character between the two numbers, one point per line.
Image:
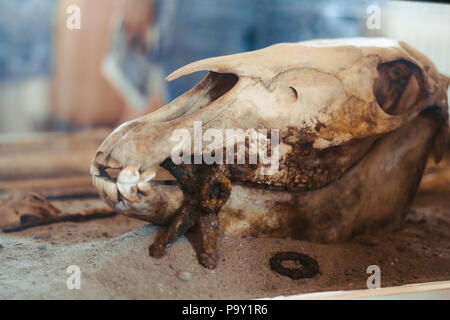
129	175
130	181
144	187
107	189
107	162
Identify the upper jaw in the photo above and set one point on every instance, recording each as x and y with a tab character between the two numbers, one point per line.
131	182
136	148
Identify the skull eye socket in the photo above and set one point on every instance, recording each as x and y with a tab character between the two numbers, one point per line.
398	86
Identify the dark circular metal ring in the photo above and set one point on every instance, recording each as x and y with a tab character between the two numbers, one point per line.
308	269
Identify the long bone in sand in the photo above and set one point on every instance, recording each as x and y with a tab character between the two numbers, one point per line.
356	119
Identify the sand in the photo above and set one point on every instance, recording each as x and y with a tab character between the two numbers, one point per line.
113	257
112	254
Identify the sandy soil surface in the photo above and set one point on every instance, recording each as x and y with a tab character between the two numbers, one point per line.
112	254
113	257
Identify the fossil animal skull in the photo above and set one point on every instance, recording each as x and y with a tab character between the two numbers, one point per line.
357	119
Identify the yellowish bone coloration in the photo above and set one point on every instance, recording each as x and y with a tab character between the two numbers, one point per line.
357	119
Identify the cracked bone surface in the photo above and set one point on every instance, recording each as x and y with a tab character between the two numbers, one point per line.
357	118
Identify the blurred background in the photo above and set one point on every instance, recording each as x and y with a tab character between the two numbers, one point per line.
71	70
74	64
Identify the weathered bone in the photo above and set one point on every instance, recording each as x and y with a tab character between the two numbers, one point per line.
351	152
129	175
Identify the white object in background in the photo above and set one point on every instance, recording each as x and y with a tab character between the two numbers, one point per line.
416	291
23	104
128	68
425	26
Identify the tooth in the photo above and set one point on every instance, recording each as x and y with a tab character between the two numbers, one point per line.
99	183
114	164
100	159
129	191
94	169
105	188
144	187
126	183
111	191
148	175
129	175
95	182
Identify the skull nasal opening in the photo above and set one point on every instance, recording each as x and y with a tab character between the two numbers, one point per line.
211	88
221	83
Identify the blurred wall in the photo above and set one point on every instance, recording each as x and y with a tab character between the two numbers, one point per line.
25	63
79	94
425	26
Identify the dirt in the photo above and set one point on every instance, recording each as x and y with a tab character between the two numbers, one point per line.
113	257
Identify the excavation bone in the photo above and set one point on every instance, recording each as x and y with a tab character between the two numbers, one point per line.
21	210
357	120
